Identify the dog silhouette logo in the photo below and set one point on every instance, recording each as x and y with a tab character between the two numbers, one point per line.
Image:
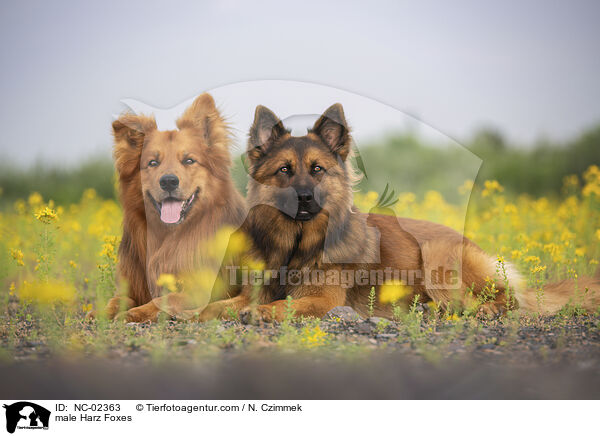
26	415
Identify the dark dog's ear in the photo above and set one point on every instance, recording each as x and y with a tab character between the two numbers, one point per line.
129	131
266	130
333	130
204	116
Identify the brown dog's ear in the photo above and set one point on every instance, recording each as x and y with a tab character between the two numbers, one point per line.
204	116
129	131
266	130
333	130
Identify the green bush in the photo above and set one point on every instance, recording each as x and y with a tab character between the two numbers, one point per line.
406	162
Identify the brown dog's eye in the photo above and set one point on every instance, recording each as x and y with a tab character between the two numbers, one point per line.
188	161
153	163
284	169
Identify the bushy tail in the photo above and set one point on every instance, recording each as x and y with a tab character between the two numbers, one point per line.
583	292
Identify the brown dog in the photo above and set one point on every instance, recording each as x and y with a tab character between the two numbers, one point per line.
302	222
176	192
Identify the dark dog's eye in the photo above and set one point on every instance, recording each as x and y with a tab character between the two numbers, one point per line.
153	163
317	169
188	161
284	169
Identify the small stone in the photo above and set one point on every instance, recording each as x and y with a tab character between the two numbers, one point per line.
375	320
363	328
386	335
343	313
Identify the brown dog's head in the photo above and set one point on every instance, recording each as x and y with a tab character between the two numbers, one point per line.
181	172
302	176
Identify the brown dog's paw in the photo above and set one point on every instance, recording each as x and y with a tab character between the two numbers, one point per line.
492	310
258	314
90	316
138	314
188	315
212	311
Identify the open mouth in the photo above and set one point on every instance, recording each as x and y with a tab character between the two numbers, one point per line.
173	210
304	215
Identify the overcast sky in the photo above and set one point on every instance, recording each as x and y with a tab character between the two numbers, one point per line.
530	68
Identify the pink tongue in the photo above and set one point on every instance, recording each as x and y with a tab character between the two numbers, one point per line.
170	212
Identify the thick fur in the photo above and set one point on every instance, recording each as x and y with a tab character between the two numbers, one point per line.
340	238
149	247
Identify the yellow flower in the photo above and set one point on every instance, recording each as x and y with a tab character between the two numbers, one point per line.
313	337
510	209
592	179
405	200
538	268
20	207
371	197
167	281
89	194
393	291
18	256
11	289
466	187
433	306
254	265
86	307
598	234
109	248
532	259
73	264
47	292
571	181
238	242
567	235
35	199
491	187
516	254
46	215
453	317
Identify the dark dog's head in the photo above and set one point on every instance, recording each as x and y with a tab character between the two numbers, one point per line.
301	176
180	171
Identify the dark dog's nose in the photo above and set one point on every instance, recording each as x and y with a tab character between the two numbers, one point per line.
304	195
169	182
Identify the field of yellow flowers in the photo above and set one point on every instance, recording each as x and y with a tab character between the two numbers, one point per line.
59	261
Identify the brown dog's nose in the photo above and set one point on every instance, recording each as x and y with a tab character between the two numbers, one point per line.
169	182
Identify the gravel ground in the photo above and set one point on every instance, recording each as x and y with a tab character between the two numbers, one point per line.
550	357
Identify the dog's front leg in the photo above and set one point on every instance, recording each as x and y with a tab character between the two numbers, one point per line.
315	305
222	309
172	304
113	307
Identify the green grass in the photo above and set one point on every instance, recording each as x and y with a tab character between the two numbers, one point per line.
404	161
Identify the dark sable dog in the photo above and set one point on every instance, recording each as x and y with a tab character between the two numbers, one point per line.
302	219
